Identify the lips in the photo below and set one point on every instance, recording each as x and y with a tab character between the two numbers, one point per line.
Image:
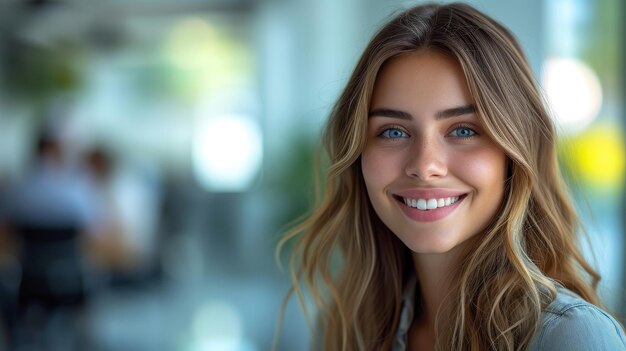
429	205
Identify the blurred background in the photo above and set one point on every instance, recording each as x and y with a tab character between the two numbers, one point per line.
153	151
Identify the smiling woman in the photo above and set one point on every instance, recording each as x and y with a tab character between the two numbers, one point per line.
445	204
425	147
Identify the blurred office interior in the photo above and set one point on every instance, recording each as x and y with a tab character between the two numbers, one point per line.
186	131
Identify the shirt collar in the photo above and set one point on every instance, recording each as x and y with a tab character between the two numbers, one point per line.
406	315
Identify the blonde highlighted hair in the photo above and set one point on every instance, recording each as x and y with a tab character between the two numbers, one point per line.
507	276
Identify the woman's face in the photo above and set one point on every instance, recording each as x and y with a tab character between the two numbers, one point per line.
432	173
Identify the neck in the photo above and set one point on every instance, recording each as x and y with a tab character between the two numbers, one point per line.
433	272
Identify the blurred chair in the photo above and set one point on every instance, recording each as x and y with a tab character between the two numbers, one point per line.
52	268
52	288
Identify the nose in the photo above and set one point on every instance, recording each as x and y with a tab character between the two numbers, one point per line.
427	160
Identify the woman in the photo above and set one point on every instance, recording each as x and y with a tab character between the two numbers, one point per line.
445	223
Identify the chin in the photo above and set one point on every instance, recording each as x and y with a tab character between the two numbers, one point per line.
431	247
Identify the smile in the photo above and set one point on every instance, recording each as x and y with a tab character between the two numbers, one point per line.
430	204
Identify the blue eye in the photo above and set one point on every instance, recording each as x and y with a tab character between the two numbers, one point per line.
394	133
463	132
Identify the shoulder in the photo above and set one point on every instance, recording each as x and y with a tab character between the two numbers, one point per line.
571	323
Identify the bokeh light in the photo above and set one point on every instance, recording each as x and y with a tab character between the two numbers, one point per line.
203	59
217	326
598	157
227	153
573	91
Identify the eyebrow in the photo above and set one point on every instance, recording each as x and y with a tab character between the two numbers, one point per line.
447	113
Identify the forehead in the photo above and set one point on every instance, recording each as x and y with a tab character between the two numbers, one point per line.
420	82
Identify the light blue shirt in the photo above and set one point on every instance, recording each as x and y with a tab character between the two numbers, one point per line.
568	323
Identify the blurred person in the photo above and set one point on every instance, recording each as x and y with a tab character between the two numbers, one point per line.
445	202
45	214
107	251
128	211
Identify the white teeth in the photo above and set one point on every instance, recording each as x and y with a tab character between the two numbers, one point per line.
421	204
430	204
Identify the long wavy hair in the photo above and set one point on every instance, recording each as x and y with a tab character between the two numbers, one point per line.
354	269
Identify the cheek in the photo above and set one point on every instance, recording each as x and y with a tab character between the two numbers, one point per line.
486	170
373	166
